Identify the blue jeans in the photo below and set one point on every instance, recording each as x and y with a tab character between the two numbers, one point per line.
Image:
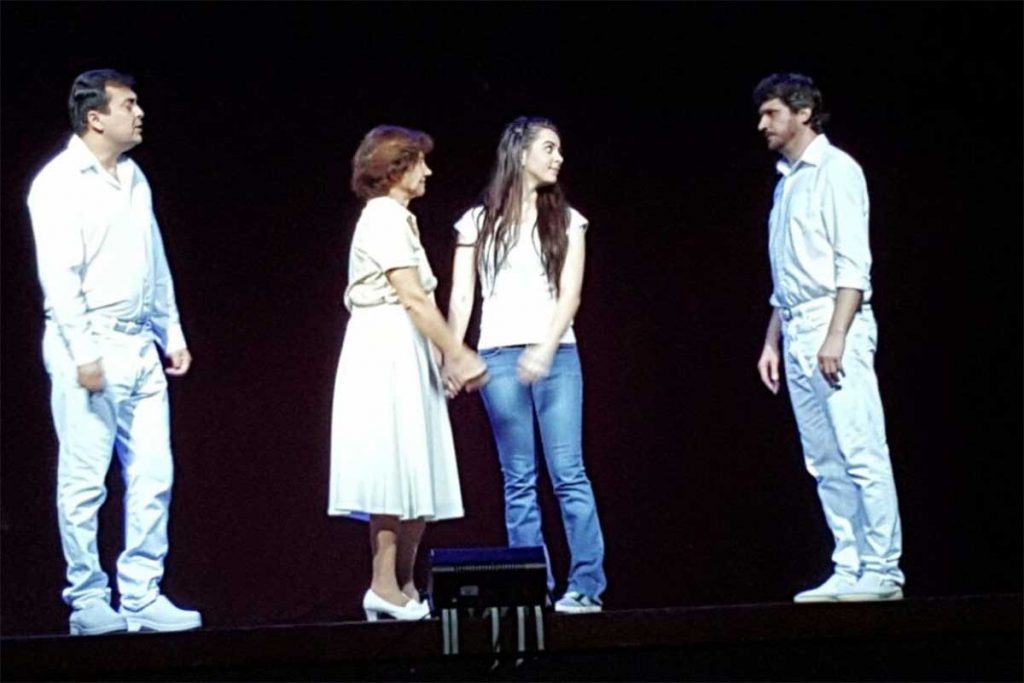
557	402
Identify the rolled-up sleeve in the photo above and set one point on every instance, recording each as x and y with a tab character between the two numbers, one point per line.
577	221
846	211
467	228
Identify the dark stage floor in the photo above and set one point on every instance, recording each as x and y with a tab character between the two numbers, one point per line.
948	638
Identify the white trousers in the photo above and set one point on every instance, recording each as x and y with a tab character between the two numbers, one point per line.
130	416
843	436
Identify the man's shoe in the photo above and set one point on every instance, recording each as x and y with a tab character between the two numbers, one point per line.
95	617
835	586
873	586
574	602
161	615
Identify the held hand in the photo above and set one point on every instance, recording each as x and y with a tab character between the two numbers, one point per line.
768	367
91	376
181	361
477	382
452	385
463	370
535	363
830	358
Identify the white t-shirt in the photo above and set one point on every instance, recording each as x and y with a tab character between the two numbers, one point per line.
518	302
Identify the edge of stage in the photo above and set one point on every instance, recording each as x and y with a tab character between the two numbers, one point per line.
937	638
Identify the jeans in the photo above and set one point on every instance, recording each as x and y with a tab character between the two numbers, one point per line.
843	436
131	416
557	402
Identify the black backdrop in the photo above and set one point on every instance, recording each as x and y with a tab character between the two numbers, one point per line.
253	111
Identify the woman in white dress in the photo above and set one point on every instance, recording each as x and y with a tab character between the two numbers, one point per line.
526	244
392	456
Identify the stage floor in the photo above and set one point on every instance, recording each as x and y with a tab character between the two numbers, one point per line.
947	638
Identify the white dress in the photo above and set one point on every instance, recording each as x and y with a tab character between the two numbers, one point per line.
392	451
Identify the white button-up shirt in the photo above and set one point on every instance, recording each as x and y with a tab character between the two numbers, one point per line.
386	237
100	256
818	229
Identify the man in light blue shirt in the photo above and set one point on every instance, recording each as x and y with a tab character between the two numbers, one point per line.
821	272
109	300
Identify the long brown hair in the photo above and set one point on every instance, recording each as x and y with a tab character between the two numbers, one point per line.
502	200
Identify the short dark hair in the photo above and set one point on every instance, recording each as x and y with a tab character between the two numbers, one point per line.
384	156
797	92
89	92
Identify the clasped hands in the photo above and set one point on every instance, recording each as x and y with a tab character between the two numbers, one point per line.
463	370
535	363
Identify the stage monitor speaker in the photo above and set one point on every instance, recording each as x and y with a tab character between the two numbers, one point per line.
487	577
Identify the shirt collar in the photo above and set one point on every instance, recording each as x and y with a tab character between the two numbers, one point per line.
813	155
387	203
84	158
81	154
390	204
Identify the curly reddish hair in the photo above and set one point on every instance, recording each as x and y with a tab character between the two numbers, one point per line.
384	156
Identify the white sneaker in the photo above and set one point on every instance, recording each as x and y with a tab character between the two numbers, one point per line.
873	586
94	618
574	602
161	615
836	585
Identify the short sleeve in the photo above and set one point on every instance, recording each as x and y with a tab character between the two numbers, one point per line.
467	228
388	241
577	221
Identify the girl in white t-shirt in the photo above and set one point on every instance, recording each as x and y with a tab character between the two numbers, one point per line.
525	244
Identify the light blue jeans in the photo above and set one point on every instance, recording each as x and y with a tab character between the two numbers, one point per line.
132	416
557	402
843	436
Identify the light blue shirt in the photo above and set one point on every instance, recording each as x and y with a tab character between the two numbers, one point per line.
818	228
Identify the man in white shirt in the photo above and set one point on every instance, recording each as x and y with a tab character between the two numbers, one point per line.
108	297
821	264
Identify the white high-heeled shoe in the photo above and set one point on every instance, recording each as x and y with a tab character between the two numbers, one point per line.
374	606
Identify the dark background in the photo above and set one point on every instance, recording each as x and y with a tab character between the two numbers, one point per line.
253	112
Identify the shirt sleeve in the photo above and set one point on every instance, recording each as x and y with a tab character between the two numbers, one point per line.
388	241
60	255
165	319
467	228
846	212
577	221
